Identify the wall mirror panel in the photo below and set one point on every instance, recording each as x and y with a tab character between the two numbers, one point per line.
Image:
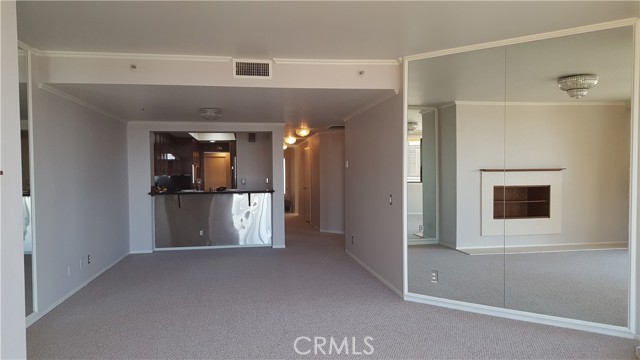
532	184
455	145
567	248
27	234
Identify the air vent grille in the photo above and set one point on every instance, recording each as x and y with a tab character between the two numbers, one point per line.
252	69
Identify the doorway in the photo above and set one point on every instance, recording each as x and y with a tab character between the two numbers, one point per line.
217	170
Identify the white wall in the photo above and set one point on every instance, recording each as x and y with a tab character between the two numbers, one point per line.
447	175
140	179
12	327
314	180
254	160
332	181
414	198
374	150
590	141
79	194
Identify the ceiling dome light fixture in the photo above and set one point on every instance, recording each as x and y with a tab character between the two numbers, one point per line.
290	140
303	131
210	113
412	126
577	86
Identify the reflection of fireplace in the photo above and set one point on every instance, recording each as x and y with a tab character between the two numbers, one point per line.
521	202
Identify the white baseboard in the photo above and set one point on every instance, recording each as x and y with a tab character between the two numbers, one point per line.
217	247
375	274
422	241
141	252
278	246
332	231
526	249
38	315
611	330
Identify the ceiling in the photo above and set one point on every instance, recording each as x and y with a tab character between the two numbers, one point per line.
378	30
323	107
528	72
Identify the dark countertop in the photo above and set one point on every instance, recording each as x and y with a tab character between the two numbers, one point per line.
230	191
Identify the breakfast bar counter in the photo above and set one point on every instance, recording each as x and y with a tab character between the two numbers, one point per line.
229	218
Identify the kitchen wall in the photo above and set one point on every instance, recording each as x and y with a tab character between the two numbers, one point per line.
254	160
374	151
80	193
590	141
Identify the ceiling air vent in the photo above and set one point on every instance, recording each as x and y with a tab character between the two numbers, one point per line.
251	69
335	127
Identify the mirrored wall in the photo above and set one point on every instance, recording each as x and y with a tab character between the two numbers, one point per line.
27	228
522	201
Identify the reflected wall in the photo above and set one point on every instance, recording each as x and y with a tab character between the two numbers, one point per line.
532	185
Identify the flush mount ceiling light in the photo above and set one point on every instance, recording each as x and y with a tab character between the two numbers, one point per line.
303	131
290	140
412	126
210	113
577	86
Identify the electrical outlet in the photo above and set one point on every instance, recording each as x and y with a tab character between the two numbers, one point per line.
68	270
88	259
201	232
353	240
434	276
421	228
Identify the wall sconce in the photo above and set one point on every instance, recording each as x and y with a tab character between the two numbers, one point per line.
284	146
303	131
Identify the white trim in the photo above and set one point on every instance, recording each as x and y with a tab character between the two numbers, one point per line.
279	246
422	242
79	101
405	175
185	124
213	247
138	252
370	105
544	248
38	315
633	191
375	274
532	103
26	47
132	56
611	330
524	39
332	231
283	61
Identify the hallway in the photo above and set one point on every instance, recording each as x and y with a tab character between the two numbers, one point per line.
254	303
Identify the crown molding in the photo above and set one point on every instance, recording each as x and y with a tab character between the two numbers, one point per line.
525	39
79	101
368	106
542	103
128	56
239	125
283	61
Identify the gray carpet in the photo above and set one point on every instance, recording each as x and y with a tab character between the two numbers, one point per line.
254	303
584	285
